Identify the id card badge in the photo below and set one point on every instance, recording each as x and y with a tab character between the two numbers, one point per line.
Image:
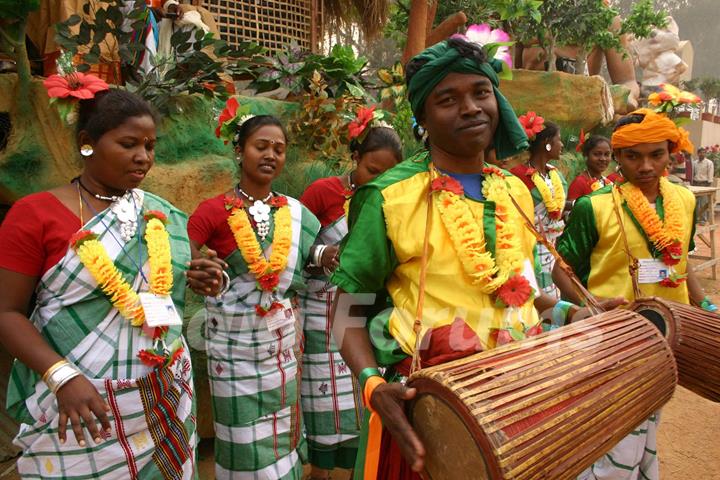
159	310
280	317
652	270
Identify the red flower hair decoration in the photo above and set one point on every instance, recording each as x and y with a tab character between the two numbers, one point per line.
77	84
359	125
532	123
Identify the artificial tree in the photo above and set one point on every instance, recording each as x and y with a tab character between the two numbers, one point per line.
13	22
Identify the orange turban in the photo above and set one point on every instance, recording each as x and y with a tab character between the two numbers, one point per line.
654	128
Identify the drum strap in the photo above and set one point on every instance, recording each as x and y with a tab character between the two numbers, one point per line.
417	325
633	263
580	289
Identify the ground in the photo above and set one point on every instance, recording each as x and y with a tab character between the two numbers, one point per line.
687	438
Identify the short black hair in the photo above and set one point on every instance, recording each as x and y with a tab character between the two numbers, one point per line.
378	138
110	109
551	129
593	142
466	49
253	125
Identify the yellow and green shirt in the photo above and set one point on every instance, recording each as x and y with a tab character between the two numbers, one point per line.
382	254
593	246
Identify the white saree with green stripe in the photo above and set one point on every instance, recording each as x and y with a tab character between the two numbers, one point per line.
152	413
331	403
255	373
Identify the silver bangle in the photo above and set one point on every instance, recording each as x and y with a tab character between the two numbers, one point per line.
226	285
317	255
60	376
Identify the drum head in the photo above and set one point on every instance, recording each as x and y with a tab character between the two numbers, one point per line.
450	449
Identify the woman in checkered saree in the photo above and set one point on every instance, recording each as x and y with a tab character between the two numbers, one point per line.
253	332
80	357
331	403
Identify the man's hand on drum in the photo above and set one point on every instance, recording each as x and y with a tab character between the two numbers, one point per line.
388	400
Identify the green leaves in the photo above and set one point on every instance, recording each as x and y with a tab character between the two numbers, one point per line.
17	9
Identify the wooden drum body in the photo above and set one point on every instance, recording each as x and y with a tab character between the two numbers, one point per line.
694	337
545	407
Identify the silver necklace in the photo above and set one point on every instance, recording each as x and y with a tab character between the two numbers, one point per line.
260	212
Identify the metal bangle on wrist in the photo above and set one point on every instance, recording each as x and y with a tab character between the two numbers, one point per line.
226	284
59	374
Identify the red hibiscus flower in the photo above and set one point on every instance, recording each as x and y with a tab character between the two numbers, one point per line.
515	292
232	203
532	123
228	113
278	201
501	337
150	214
448	184
672	254
269	282
151	359
357	126
671	283
81	236
78	85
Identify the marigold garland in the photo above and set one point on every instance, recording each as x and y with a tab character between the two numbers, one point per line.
266	272
468	238
554	201
158	243
665	235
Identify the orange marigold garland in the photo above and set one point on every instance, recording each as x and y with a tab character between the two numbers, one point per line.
267	273
554	200
665	235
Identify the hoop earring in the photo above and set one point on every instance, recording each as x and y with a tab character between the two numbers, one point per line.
86	150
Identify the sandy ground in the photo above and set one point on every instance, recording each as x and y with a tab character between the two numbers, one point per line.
687	440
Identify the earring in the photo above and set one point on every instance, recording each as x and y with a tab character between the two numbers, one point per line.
420	130
86	150
547	147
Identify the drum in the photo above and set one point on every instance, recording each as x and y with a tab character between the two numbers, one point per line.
694	337
545	407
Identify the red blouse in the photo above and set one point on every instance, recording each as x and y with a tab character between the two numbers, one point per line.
208	226
35	233
325	198
582	185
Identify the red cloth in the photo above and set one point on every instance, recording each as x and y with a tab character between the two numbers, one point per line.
392	464
522	171
35	233
325	198
208	226
582	185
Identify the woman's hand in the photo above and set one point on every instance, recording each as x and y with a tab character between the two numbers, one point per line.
388	400
205	274
329	258
79	400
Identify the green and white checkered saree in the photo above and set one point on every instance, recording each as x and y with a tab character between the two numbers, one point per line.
254	373
152	412
331	403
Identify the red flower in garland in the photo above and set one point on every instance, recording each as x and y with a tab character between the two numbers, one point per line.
493	171
176	354
150	214
515	292
501	337
269	282
555	215
278	201
532	123
228	113
363	119
672	254
669	282
535	330
232	202
81	236
447	184
262	312
151	359
77	84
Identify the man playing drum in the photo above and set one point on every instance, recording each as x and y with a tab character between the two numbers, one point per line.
438	235
657	227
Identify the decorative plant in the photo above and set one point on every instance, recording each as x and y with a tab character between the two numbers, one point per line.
13	21
392	85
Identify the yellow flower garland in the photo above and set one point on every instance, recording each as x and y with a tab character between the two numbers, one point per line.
96	260
468	238
662	233
250	247
554	201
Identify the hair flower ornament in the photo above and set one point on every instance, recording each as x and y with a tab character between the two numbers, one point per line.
496	44
365	119
532	123
231	119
